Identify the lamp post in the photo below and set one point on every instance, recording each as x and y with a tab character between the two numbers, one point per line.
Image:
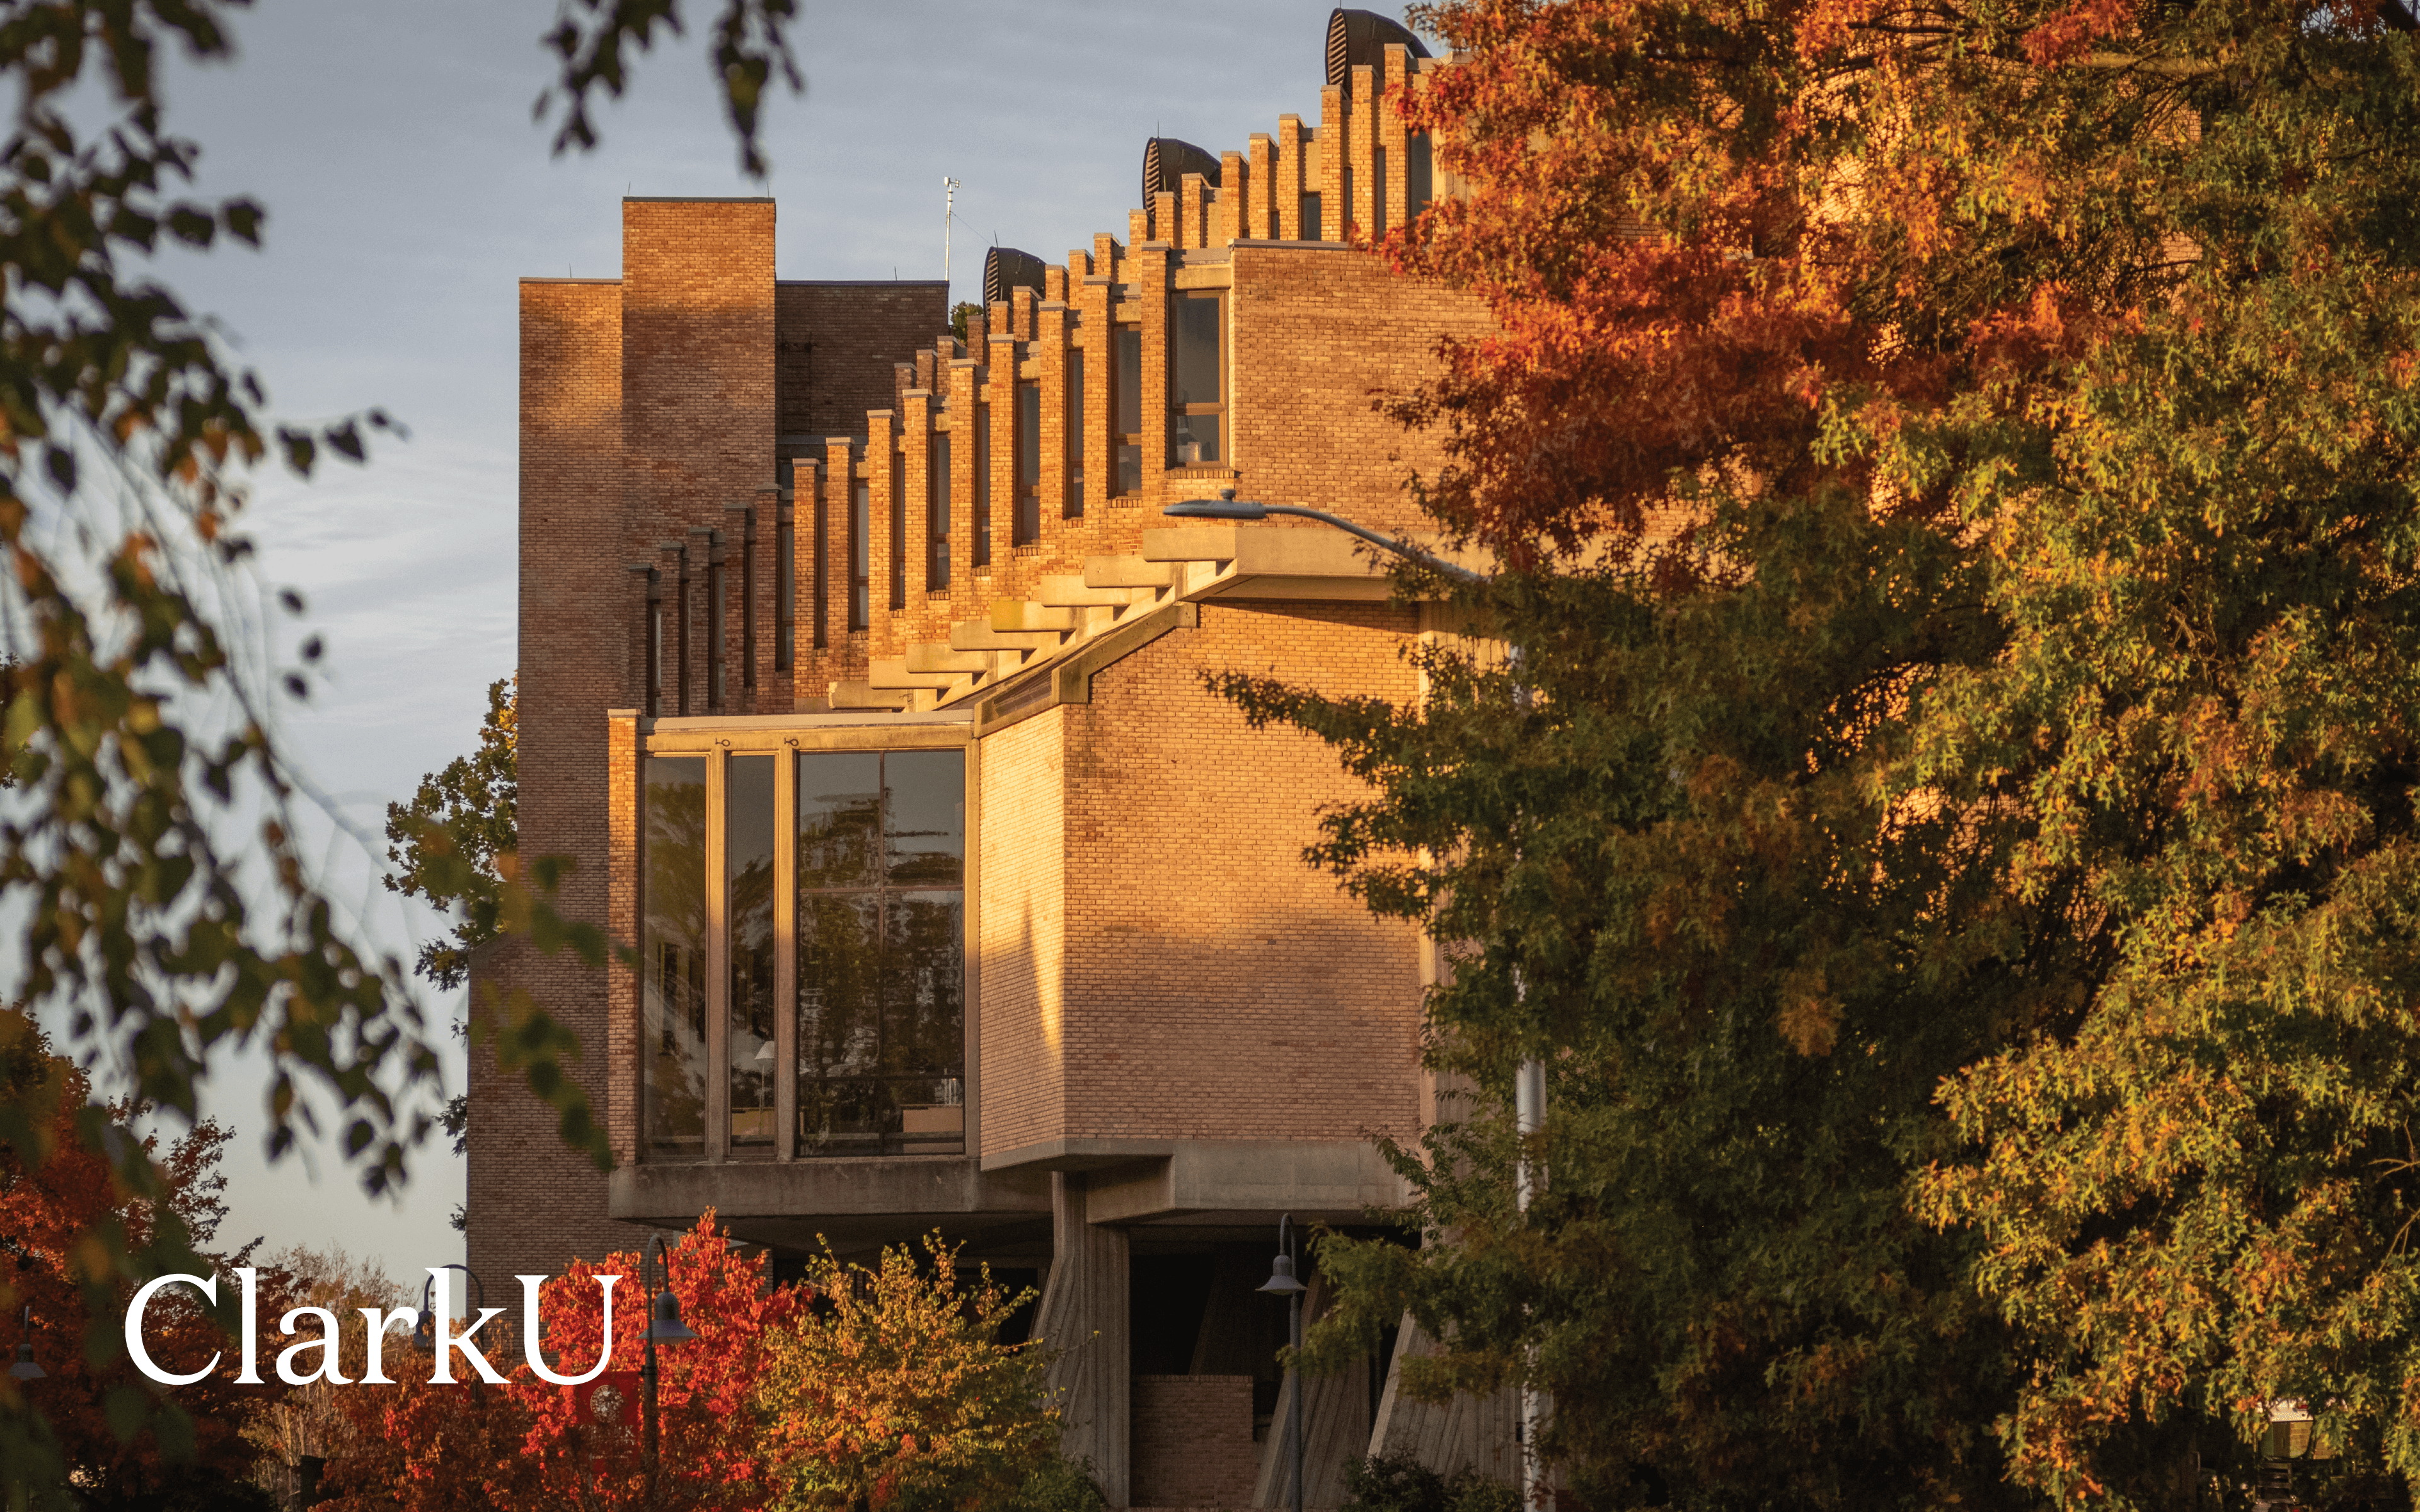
424	1332
665	1324
24	1367
1530	1081
1281	1282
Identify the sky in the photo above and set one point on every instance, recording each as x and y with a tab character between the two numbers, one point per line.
408	189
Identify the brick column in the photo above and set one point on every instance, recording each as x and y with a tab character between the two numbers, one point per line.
1151	284
1292	182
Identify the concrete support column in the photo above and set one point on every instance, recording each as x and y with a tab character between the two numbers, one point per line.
1083	1316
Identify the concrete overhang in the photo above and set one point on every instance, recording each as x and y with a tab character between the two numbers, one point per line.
1281	561
933	1187
1217	1182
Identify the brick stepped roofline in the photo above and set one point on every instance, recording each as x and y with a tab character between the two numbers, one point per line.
997	660
1301	188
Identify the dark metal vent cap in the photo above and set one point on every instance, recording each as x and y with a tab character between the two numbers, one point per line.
1358	39
1005	268
1166	162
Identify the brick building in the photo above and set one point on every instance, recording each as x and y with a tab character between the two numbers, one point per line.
863	679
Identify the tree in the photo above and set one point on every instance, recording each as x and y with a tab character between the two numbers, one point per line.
308	1421
457	846
430	1449
466	813
150	862
1946	827
893	1391
57	1198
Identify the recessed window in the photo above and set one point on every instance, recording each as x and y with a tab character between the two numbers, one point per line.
655	647
983	485
899	530
861	556
1075	505
937	516
1310	231
823	572
1125	414
1420	173
785	590
1028	525
1197	379
714	615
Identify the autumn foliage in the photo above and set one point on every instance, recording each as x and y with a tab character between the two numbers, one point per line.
59	1205
854	1388
892	1392
1952	826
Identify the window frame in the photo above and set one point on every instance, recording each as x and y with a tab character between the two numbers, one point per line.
1191	410
1124	445
717	742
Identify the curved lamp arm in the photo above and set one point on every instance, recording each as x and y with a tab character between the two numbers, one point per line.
1226	506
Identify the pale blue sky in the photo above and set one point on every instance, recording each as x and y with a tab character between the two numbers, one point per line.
390	141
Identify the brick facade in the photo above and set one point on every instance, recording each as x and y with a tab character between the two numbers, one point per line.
1193	1441
1173	1031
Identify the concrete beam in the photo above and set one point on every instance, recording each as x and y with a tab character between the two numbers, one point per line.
848	1186
1141	1180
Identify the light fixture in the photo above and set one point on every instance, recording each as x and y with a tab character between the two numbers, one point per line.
26	1368
1226	506
1281	1282
666	1326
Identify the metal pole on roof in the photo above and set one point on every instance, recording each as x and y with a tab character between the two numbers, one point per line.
949	212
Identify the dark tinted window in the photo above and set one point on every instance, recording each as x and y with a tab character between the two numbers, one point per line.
1193	340
672	988
881	997
748	912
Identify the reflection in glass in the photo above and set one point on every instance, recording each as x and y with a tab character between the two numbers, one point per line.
672	992
1126	366
881	992
1026	527
1075	505
1196	380
937	523
840	796
748	871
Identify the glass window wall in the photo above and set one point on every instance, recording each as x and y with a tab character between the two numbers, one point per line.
748	919
881	919
672	993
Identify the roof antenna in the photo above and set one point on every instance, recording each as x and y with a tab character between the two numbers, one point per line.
949	212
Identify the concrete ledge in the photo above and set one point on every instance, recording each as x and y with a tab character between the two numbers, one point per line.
1144	1181
1079	1154
842	1187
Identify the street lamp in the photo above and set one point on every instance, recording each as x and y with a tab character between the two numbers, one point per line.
1226	506
1281	1282
1530	1082
24	1368
663	1323
424	1335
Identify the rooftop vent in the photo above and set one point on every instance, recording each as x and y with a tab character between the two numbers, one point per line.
1166	162
1358	39
1005	268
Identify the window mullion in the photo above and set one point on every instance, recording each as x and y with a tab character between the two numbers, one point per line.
718	965
786	952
